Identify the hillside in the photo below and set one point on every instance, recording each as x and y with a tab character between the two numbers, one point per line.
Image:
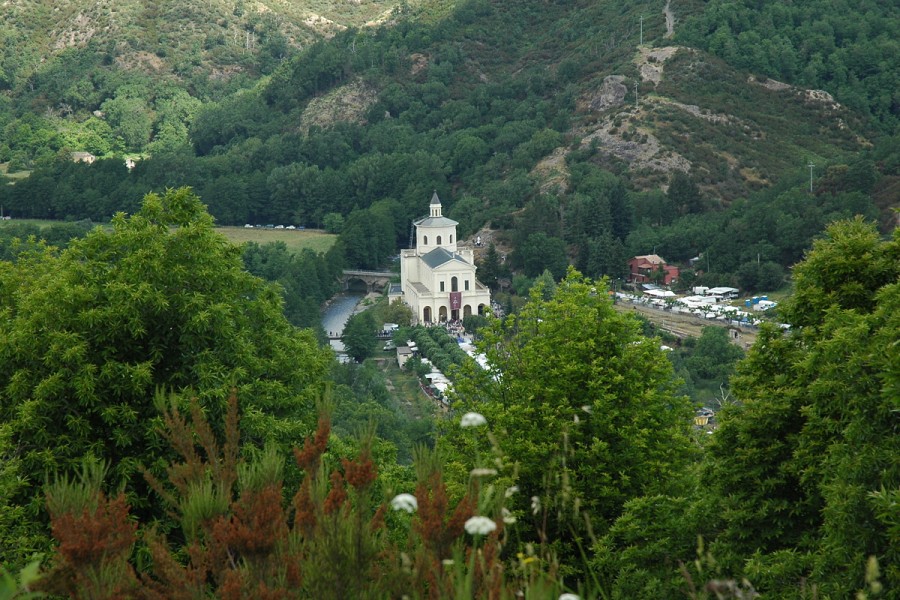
102	76
534	119
217	36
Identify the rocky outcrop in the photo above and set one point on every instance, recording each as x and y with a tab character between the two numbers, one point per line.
636	146
650	62
552	172
611	93
348	103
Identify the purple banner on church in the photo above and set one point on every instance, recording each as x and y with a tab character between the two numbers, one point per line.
455	300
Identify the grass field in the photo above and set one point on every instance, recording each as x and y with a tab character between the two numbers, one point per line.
318	241
4	170
39	222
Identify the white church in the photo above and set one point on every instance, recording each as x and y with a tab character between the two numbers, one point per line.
437	277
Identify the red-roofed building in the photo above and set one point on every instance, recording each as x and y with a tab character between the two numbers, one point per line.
643	268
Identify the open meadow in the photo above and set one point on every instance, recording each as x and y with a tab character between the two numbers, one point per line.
296	240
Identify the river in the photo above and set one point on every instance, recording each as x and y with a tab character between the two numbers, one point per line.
335	316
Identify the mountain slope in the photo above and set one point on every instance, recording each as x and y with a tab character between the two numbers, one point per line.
521	114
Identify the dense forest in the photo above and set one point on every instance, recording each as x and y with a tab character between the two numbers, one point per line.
171	424
569	465
500	108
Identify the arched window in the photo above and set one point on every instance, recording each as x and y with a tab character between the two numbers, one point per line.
425	240
467	284
439	241
451	239
454	285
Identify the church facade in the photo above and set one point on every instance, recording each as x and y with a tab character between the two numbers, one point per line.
437	277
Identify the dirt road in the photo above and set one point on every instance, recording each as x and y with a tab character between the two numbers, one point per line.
670	19
684	325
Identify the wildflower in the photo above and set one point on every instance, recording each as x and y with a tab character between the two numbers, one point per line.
586	408
405	502
508	518
510	491
480	526
481	472
535	505
447	562
568	596
472	419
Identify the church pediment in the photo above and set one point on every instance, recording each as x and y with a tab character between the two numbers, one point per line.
439	258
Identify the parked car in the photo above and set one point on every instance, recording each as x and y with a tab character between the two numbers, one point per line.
291	227
279	227
248	226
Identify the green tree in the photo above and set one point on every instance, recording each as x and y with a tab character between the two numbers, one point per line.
845	270
541	252
130	119
160	301
359	336
367	239
583	403
684	193
398	312
714	356
804	468
333	222
490	270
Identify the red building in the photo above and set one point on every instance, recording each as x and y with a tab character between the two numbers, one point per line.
643	269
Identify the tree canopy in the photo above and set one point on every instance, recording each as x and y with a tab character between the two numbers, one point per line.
91	334
799	484
581	401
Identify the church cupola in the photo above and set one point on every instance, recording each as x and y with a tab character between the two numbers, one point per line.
435	205
435	230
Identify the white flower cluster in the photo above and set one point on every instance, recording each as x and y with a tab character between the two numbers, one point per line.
472	419
480	526
482	472
405	502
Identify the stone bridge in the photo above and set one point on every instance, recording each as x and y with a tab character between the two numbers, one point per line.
375	281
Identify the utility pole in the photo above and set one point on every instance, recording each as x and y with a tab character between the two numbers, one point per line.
811	166
642	30
635	94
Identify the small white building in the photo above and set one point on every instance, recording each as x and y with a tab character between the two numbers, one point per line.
724	292
437	277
